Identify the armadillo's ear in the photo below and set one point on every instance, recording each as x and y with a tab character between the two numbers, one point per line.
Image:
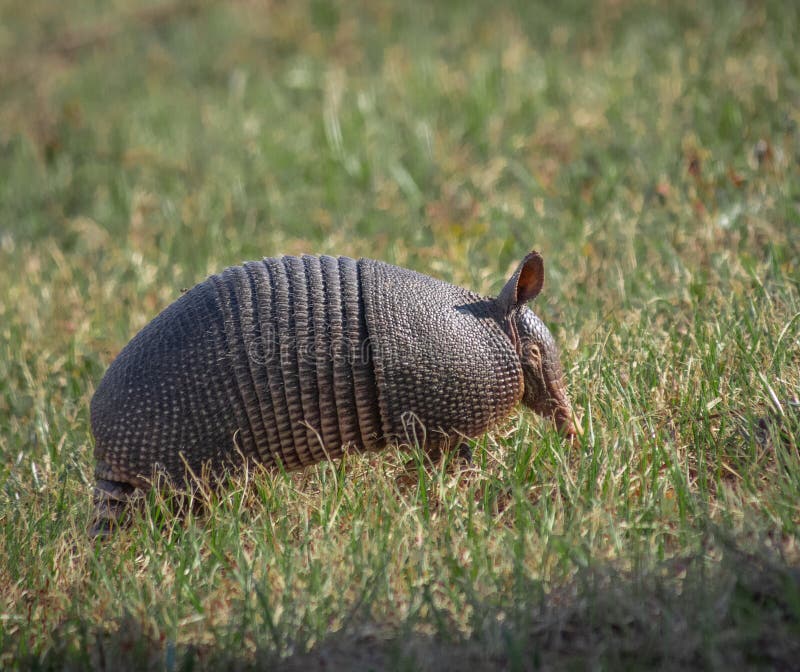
524	284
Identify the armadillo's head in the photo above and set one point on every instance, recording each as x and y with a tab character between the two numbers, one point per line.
545	391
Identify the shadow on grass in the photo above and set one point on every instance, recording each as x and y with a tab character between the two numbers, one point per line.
729	607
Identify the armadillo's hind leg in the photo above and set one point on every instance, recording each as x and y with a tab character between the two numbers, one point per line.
112	501
464	454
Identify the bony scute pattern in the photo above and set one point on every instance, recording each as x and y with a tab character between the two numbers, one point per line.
292	360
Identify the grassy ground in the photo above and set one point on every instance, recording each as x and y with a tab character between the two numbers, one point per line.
651	154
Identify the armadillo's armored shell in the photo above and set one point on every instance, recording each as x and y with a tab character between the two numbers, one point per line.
440	353
290	360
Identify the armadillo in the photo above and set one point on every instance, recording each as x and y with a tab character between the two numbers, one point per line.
289	361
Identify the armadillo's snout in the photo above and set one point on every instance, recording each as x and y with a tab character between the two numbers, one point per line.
565	421
549	399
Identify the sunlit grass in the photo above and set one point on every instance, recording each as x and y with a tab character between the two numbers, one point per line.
650	154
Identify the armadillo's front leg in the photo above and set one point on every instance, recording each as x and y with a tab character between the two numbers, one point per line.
112	501
462	453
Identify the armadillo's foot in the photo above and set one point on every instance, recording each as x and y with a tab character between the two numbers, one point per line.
461	458
112	501
456	458
464	454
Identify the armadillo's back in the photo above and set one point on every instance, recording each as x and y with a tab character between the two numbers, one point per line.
287	360
270	360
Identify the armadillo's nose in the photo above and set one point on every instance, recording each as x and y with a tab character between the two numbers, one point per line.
566	423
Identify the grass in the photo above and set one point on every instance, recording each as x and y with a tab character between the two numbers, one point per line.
651	154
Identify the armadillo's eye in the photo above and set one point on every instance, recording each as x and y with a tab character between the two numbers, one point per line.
532	353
